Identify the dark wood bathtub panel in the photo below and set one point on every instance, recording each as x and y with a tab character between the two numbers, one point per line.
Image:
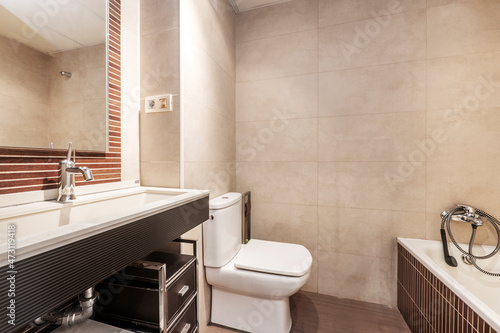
427	305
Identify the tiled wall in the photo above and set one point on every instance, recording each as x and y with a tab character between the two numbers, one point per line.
25	102
359	121
208	97
130	83
50	108
208	74
78	104
160	74
427	305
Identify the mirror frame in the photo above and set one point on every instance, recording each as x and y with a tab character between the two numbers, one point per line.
32	169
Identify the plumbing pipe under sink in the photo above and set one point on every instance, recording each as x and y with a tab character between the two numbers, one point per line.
75	315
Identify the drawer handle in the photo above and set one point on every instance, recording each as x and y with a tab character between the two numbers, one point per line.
183	291
186	328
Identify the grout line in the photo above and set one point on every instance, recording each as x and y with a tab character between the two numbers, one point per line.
335	70
276	36
318	27
317	152
426	168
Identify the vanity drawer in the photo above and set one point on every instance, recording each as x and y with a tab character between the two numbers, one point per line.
155	292
180	291
187	323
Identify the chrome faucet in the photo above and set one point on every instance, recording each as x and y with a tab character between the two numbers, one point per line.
67	171
465	214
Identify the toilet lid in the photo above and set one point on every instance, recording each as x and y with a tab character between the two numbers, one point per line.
273	257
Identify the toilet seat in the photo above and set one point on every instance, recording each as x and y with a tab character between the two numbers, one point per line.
250	282
274	258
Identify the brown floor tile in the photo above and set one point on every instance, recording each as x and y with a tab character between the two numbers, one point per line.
315	313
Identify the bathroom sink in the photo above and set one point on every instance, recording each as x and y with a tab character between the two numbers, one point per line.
47	223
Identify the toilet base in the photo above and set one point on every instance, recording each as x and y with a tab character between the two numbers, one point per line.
250	313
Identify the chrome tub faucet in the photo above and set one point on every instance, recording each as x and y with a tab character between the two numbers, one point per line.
67	171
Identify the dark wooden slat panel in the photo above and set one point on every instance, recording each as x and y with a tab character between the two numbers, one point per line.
24	182
18	175
28	167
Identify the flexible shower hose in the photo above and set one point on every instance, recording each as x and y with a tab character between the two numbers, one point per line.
469	257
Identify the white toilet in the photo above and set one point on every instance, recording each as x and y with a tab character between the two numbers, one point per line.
252	283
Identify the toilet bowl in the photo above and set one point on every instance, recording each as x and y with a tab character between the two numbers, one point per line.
251	283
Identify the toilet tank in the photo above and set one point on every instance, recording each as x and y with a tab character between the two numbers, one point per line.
222	237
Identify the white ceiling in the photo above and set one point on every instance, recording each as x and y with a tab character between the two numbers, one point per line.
60	26
244	5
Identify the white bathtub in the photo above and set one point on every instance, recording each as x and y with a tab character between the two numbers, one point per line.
480	291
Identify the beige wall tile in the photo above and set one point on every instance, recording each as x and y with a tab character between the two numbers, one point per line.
160	74
93	57
371	185
160	63
164	174
217	177
160	136
23	123
344	11
207	83
283	98
15	85
434	3
279	19
279	182
18	114
130	76
477	131
472	183
386	88
19	55
379	101
296	224
225	13
366	232
158	15
208	136
63	89
377	137
463	27
463	83
208	32
368	42
24	138
362	278
93	83
277	140
275	57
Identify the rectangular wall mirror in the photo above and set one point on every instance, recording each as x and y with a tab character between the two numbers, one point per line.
54	74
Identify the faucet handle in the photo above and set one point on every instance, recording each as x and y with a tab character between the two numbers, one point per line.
68	155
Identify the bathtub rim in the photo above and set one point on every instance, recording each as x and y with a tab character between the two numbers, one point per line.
483	310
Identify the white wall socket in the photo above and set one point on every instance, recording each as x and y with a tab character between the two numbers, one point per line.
160	103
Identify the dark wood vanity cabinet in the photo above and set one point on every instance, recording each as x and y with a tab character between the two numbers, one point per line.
155	294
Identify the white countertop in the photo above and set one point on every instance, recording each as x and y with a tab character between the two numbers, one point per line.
42	226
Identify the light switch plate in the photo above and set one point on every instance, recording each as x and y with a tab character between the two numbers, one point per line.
160	103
